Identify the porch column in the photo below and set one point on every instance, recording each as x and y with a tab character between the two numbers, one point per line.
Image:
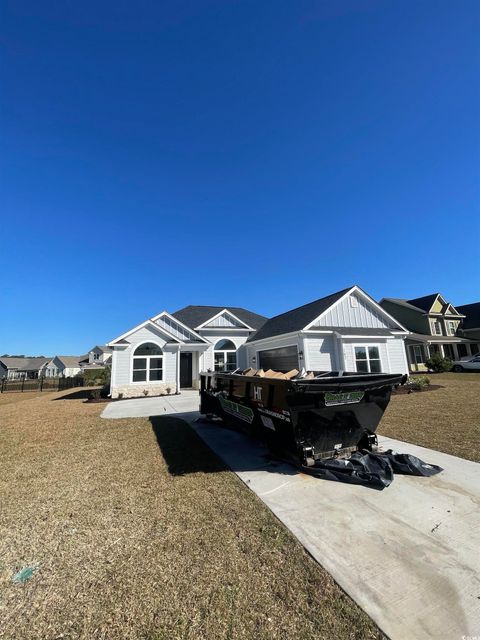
468	348
442	352
455	352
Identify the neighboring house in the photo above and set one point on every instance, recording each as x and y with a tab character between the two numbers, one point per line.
346	331
20	368
169	350
97	358
471	324
63	367
100	355
434	325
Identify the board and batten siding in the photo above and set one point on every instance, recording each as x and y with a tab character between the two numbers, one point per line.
363	315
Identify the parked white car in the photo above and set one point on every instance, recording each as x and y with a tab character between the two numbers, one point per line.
470	363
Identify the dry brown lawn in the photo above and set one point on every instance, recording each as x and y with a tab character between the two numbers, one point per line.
446	419
138	531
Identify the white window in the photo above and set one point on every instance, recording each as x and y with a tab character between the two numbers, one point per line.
225	356
451	327
436	328
367	359
147	363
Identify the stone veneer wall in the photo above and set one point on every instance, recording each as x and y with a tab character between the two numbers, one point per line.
137	390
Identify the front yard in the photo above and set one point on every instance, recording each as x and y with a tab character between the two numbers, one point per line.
446	419
128	547
137	530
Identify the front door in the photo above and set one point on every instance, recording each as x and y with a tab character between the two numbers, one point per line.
185	370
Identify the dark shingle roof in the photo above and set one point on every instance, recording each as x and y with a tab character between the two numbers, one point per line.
296	319
425	303
472	313
195	315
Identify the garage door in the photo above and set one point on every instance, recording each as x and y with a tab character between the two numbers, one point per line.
283	359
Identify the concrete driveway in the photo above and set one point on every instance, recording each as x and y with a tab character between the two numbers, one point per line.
408	555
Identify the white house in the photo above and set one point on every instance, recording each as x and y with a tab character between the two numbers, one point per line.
345	331
62	366
168	352
100	354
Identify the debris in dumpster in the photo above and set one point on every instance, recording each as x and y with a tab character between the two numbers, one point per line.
324	422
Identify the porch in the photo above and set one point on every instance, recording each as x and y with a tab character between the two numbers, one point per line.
420	348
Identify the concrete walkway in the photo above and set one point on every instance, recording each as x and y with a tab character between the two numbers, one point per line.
408	555
187	401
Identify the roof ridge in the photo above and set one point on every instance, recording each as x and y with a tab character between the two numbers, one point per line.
302	306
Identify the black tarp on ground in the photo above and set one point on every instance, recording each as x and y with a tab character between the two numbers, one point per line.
375	470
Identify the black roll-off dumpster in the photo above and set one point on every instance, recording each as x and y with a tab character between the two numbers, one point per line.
321	421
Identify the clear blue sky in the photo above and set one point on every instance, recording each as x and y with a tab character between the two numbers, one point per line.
258	154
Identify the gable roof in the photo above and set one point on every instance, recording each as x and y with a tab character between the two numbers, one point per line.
70	361
425	303
297	319
195	315
472	313
102	347
24	364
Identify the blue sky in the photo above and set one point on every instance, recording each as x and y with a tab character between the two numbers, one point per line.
257	154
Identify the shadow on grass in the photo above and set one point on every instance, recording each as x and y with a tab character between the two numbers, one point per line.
183	450
81	394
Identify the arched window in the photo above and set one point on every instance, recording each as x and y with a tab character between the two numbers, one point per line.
147	363
225	355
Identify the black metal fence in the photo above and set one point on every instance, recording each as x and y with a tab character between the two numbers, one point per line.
40	384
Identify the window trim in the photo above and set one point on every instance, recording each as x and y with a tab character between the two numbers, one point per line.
433	324
147	358
224	352
366	347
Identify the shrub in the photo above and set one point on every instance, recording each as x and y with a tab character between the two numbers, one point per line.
418	383
95	394
438	363
105	391
168	390
94	377
145	392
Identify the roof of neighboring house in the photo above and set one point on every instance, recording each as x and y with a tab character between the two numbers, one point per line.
296	319
24	364
425	303
425	337
102	347
472	313
195	315
70	361
402	303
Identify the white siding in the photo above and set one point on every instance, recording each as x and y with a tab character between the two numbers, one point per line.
364	315
207	359
122	362
176	329
391	353
225	320
320	354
